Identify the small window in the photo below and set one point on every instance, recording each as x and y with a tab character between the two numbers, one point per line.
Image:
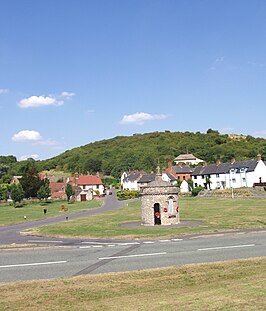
184	177
217	175
196	185
195	177
202	176
244	179
84	186
233	180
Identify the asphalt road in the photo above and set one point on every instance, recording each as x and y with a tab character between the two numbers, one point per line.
70	257
90	257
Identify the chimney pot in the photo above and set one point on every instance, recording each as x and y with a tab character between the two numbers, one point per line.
259	157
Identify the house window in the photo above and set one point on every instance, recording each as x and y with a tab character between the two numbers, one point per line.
202	176
217	175
178	177
84	186
184	177
195	177
233	180
196	185
97	187
244	179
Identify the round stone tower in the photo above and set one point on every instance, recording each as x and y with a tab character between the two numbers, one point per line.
159	203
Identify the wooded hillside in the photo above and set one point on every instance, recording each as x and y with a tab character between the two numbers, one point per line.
145	151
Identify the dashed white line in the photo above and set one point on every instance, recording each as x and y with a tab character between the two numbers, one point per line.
225	247
148	242
162	241
175	240
131	256
34	264
97	246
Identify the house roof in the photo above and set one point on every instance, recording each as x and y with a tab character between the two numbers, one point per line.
146	178
184	169
223	168
89	180
57	186
171	177
185	157
58	195
133	176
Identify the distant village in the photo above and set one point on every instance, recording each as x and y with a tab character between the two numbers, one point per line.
187	173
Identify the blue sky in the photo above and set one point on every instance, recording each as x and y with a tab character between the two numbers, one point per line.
77	71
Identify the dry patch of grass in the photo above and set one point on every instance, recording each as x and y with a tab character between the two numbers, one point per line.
232	285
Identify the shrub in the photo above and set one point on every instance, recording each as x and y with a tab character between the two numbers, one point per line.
196	191
127	194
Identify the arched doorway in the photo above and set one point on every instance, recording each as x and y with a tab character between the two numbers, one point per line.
157	214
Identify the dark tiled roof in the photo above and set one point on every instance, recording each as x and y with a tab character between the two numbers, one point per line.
132	176
223	168
182	169
147	178
171	177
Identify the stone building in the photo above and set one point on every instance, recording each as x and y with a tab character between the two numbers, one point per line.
159	203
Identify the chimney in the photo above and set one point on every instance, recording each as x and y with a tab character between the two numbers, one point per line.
205	164
259	157
169	164
180	164
218	162
233	160
187	163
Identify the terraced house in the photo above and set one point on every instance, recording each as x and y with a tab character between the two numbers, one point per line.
231	174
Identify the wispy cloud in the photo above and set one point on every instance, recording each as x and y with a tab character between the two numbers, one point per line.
27	135
42	100
216	62
141	118
261	133
4	91
67	94
226	130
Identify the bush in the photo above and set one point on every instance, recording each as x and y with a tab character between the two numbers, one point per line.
127	194
196	191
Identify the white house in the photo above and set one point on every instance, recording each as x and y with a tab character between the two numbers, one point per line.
88	183
129	180
230	175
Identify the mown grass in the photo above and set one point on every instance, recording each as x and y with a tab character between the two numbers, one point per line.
34	211
215	214
233	285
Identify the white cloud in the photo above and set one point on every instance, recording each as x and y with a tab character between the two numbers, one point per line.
141	117
220	59
32	156
47	142
38	101
260	133
67	94
3	91
226	130
27	135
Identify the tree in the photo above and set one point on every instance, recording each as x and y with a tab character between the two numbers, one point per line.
44	192
92	165
17	193
69	191
31	182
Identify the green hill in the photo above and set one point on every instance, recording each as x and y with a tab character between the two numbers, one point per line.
145	151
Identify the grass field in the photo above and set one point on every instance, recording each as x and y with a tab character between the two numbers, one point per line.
233	285
33	211
216	215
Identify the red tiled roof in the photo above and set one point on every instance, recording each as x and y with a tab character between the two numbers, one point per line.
58	195
57	186
89	180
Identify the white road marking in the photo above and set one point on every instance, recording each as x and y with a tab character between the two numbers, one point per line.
128	243
225	247
101	243
130	256
148	242
177	240
164	241
43	241
111	245
34	264
97	246
85	247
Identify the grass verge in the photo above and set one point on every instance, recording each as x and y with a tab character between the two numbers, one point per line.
233	285
34	211
216	215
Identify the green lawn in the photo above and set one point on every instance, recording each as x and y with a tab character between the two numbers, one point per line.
216	215
233	285
33	211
